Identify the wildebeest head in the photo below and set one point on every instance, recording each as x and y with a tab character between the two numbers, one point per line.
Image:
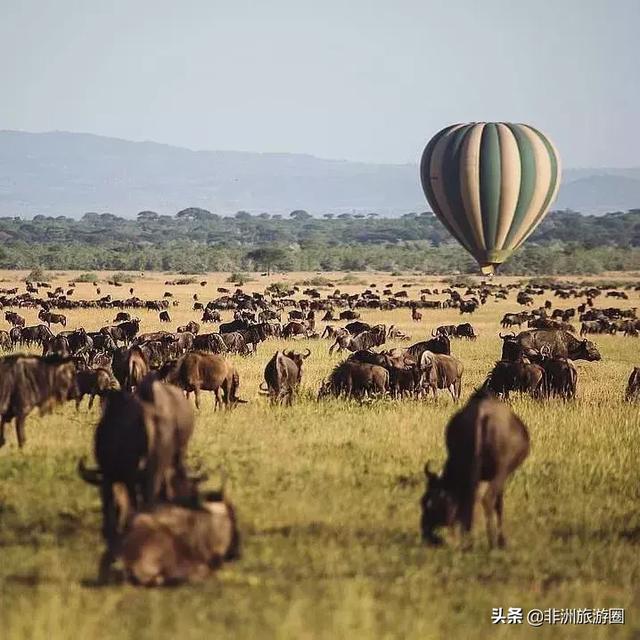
586	350
298	358
438	508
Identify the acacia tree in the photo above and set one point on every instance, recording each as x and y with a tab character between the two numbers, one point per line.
269	257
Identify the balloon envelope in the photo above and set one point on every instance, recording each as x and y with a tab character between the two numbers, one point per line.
490	184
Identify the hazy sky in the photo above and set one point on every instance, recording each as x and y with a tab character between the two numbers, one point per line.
357	79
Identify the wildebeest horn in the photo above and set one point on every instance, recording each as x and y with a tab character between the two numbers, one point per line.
427	470
308	353
507	335
433	335
92	476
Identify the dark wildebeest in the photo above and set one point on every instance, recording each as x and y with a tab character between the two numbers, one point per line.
561	376
404	374
441	372
235	343
122	316
92	383
560	344
357	327
294	329
27	382
519	375
198	371
129	366
283	374
52	318
164	316
5	341
123	332
465	330
440	344
486	442
56	345
210	315
36	334
211	342
14	319
174	543
356	379
140	442
633	386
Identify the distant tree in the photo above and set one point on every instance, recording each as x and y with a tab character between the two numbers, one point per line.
269	257
147	216
345	216
359	216
372	215
195	213
264	216
90	216
276	216
242	215
299	214
328	216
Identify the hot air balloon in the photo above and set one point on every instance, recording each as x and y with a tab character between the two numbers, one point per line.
490	184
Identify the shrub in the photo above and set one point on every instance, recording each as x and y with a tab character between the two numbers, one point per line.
87	277
36	275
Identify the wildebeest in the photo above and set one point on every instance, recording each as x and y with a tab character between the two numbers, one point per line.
211	342
519	375
129	366
486	442
356	379
140	442
27	382
441	372
439	344
190	327
164	316
633	386
92	383
199	371
5	341
174	543
374	337
561	344
283	374
52	318
14	319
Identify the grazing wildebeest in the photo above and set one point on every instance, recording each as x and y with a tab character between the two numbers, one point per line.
210	315
27	382
561	376
199	371
164	316
174	543
519	375
36	334
439	344
561	344
440	371
633	386
486	442
294	329
191	327
52	318
374	337
122	316
416	316
211	342
283	374
349	315
357	327
140	443
465	330
92	383
356	379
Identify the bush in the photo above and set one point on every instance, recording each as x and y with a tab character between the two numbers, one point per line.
122	277
36	275
87	277
317	281
239	278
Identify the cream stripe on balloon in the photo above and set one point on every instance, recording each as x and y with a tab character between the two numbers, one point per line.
511	172
469	172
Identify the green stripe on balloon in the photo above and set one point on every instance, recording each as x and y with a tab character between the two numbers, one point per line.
490	183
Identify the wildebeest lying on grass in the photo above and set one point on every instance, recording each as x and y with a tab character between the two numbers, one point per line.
173	543
140	442
27	382
486	442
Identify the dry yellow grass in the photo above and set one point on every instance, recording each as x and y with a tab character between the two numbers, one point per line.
328	500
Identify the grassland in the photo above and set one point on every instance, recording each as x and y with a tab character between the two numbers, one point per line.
328	503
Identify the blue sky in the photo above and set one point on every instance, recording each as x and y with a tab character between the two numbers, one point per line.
357	80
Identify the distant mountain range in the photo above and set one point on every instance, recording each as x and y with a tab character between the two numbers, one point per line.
62	173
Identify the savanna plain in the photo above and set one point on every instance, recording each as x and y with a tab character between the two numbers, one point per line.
328	494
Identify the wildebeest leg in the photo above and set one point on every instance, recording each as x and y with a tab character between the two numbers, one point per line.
91	399
196	391
502	541
109	533
489	500
2	438
20	433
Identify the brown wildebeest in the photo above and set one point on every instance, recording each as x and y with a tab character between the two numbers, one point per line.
486	442
140	442
27	382
519	375
92	383
52	318
440	371
283	374
129	366
633	386
198	371
164	316
356	379
172	543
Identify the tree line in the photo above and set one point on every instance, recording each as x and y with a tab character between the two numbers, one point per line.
196	240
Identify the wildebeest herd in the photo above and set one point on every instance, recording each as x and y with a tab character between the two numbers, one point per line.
157	520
